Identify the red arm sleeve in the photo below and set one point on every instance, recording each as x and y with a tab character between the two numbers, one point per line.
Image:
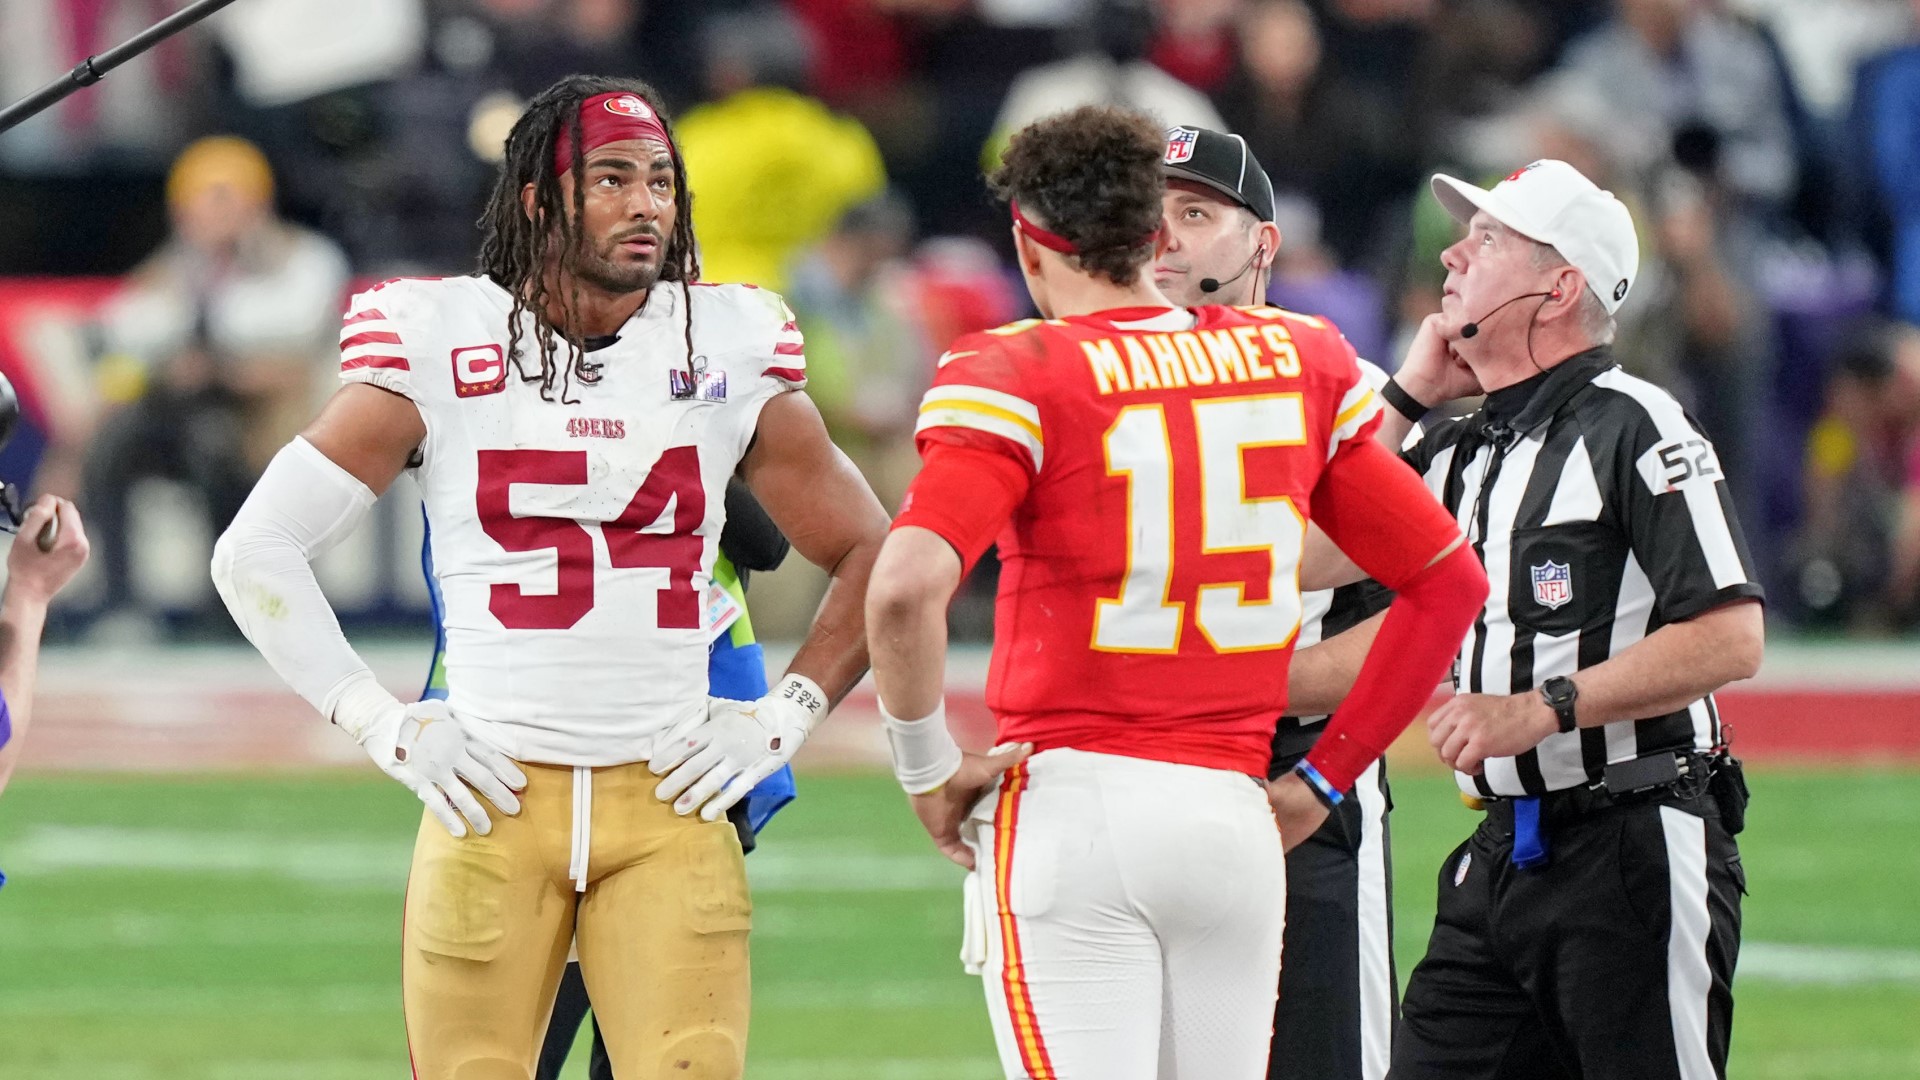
964	495
1377	510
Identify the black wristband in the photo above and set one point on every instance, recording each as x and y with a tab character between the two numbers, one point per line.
1403	402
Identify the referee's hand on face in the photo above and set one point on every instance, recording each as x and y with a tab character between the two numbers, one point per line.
1432	372
1470	728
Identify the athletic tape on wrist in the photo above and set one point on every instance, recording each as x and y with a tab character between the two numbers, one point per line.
803	692
1320	785
358	701
924	753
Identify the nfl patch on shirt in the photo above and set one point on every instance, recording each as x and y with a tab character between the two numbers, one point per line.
1552	584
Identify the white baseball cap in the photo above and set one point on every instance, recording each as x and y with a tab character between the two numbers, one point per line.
1551	202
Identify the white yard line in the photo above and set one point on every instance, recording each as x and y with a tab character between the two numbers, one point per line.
789	867
1827	965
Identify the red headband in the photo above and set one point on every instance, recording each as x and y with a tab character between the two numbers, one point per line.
606	118
1053	241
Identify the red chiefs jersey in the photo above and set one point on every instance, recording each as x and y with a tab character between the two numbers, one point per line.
1149	591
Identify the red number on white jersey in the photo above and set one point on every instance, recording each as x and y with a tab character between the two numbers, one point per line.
675	477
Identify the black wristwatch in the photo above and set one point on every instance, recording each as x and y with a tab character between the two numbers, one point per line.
1560	694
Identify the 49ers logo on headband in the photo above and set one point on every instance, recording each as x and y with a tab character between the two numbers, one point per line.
1180	142
628	105
615	116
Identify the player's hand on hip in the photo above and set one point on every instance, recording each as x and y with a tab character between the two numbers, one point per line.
942	810
713	762
1467	729
1296	809
36	575
425	747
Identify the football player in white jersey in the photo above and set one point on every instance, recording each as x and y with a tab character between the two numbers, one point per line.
572	414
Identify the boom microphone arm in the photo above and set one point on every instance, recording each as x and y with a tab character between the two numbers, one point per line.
94	68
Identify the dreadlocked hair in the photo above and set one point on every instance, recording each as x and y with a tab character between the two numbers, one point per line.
516	248
1091	174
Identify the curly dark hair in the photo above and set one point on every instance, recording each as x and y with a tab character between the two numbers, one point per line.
516	250
1092	175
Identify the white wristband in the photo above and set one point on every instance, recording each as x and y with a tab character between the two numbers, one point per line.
924	753
358	701
805	693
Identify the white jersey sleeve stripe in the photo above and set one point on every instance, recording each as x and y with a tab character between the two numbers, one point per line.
373	351
1359	406
980	395
977	417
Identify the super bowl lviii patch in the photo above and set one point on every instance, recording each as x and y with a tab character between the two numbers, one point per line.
698	383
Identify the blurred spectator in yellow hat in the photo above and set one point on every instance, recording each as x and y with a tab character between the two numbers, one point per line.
216	352
771	169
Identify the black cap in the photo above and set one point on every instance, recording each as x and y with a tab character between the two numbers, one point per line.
1223	163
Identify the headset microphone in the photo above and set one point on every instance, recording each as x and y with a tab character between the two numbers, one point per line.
1214	285
1473	328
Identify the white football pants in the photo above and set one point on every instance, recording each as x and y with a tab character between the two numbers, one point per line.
1126	917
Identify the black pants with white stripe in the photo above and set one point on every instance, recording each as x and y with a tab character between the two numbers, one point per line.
1337	1002
1612	962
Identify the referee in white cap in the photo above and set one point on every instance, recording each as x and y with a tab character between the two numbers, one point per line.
1589	926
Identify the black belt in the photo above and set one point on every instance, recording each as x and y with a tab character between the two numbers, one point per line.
1625	784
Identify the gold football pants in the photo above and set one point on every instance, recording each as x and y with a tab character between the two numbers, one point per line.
661	927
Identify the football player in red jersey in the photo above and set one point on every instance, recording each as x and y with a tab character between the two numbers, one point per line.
1147	472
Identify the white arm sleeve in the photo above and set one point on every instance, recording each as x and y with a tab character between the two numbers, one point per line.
303	505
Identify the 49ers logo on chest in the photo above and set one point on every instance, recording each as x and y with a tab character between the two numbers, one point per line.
478	370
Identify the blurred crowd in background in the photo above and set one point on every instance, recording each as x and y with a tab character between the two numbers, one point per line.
233	186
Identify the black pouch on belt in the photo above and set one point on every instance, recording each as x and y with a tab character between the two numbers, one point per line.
1729	787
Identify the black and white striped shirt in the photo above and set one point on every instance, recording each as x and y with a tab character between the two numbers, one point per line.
1601	514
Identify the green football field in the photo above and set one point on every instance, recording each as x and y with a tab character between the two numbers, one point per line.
227	928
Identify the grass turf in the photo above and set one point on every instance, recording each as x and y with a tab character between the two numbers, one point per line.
221	928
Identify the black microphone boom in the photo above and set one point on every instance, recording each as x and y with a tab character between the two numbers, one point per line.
1472	329
94	68
1214	285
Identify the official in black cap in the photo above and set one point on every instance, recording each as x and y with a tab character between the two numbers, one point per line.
1337	989
1221	239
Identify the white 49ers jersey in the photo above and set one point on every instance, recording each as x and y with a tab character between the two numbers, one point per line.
574	538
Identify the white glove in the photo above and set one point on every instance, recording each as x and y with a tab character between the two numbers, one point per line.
712	762
423	746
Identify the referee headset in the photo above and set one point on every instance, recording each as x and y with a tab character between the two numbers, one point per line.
1211	285
1499	435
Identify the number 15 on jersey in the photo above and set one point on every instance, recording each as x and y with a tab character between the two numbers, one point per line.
1145	617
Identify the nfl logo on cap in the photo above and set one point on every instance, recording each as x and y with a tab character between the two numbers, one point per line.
1180	142
628	105
1552	584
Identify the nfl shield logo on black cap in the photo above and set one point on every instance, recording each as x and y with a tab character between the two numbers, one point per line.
1180	142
